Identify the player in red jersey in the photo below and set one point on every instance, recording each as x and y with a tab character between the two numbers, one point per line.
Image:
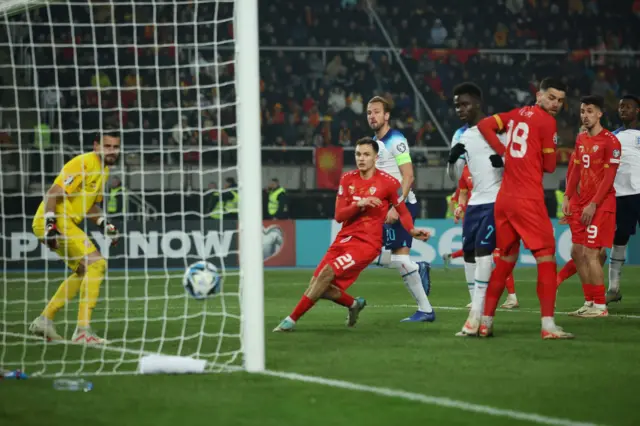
590	204
364	198
520	211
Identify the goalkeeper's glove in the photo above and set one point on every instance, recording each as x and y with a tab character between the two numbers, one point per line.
109	230
496	161
458	150
51	232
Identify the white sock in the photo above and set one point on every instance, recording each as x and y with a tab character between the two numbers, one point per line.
548	323
483	273
470	276
616	260
384	259
409	272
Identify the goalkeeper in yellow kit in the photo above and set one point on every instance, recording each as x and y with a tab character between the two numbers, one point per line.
74	196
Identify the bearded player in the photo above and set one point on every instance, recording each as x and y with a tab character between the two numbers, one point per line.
363	201
75	195
627	186
520	211
590	203
394	159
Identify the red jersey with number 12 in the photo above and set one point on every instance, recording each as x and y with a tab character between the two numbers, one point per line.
593	155
367	225
531	132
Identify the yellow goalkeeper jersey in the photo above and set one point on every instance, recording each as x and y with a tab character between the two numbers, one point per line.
82	179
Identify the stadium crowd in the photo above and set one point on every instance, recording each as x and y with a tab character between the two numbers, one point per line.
149	77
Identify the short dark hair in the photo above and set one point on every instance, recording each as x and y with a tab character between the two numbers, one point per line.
468	88
385	103
593	100
553	83
231	181
368	141
634	98
108	130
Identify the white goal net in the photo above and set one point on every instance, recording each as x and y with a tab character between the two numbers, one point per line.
174	77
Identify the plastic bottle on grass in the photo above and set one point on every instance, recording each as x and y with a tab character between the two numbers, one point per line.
73	385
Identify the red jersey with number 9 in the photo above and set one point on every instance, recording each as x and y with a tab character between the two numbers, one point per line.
531	133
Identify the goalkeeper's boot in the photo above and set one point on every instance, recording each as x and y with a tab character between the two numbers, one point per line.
354	311
446	259
287	324
86	336
470	328
44	327
511	302
420	316
594	311
424	270
555	334
584	308
613	296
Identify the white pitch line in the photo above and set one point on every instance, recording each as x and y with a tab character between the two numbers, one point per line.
427	399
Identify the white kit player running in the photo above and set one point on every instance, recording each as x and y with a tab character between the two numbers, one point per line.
627	186
478	228
394	159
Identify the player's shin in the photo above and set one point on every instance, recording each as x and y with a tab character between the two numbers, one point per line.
597	276
339	296
546	288
617	259
411	278
89	291
567	271
470	274
497	282
484	265
67	291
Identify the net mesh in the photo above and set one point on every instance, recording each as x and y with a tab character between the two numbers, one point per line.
163	73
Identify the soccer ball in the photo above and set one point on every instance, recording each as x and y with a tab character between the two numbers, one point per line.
202	280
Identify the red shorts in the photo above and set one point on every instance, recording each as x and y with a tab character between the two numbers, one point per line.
348	258
597	235
522	219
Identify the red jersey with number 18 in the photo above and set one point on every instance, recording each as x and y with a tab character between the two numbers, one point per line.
367	226
531	133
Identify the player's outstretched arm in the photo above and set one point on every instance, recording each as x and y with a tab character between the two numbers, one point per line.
96	214
407	223
549	141
489	128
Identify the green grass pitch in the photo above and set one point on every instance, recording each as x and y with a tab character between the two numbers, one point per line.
595	378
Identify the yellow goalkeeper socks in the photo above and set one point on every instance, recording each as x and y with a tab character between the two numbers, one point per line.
90	291
67	291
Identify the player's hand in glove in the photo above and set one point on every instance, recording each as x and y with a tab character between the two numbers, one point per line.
109	230
496	161
420	234
51	232
455	153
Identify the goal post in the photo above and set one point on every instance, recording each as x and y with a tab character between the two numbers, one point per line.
181	80
249	171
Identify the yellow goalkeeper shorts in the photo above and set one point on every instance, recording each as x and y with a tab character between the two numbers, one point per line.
73	243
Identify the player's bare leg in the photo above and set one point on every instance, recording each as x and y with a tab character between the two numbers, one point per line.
317	287
592	276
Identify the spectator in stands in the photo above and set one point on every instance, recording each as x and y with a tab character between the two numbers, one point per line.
118	202
278	205
224	204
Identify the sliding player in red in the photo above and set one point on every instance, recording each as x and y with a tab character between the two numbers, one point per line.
364	198
520	211
590	204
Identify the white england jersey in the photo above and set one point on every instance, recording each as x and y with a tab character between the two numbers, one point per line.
628	176
486	178
393	151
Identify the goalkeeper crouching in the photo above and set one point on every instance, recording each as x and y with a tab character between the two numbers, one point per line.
74	196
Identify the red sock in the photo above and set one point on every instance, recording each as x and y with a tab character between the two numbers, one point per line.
511	284
587	289
457	254
496	286
567	271
345	300
302	307
598	294
547	287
